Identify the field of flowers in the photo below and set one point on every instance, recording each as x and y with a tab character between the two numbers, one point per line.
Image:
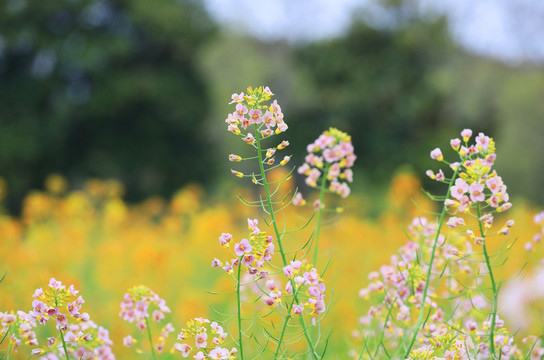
94	240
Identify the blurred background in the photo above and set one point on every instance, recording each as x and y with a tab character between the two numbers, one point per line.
138	91
113	145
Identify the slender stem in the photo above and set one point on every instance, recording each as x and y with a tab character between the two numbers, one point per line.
429	270
60	331
284	327
9	349
493	284
278	234
150	339
320	211
64	345
268	197
239	311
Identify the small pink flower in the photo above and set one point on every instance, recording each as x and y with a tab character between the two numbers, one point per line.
267	91
317	205
311	277
436	154
200	339
494	201
216	263
466	134
238	98
200	356
231	120
494	184
276	296
252	224
243	247
289	271
54	284
298	200
128	341
476	192
459	189
249	139
296	264
157	315
248	260
241	110
454	222
297	309
482	141
455	143
224	239
539	218
255	116
504	207
38	293
268	300
233	129
184	349
62	322
72	290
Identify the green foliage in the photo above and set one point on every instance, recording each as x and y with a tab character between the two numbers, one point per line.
376	85
103	88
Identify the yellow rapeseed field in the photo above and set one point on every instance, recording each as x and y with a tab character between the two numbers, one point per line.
93	239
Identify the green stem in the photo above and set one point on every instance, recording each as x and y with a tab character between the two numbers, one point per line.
268	198
150	339
239	310
493	284
60	331
64	344
9	349
420	319
284	327
277	231
320	211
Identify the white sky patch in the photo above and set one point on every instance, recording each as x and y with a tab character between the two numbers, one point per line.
293	20
505	29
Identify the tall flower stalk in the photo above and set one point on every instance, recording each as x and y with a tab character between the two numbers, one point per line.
327	167
256	120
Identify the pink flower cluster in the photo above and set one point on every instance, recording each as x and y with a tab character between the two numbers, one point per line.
136	306
330	157
455	328
266	119
207	337
537	238
24	325
477	185
84	340
252	253
59	303
306	283
81	336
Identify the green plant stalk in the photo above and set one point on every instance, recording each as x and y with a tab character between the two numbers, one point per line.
61	334
277	231
493	284
239	310
150	339
9	349
289	309
64	344
428	280
320	211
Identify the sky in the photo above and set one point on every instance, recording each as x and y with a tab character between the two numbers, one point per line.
510	30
